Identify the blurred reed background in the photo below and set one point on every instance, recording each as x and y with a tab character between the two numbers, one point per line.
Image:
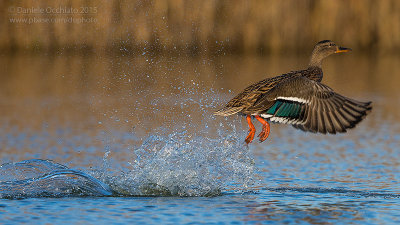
206	26
126	65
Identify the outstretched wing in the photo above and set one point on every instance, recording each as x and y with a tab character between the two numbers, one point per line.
310	106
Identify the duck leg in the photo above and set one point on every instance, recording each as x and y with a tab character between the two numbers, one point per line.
265	129
252	130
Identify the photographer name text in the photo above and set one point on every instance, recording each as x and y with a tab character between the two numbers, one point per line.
53	10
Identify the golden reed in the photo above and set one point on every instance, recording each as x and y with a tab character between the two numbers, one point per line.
205	26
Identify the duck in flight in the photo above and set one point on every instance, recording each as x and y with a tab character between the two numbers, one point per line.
300	99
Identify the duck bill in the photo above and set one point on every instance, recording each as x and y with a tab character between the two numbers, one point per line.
342	49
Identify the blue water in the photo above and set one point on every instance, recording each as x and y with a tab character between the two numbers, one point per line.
294	177
156	156
264	207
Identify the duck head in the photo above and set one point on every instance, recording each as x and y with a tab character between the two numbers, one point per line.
324	49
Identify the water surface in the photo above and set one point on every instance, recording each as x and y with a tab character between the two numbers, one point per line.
133	139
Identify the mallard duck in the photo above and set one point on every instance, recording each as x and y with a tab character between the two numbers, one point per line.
300	99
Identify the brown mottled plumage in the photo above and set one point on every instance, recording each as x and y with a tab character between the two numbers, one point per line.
300	99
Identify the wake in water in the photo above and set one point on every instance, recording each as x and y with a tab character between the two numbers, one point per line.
44	178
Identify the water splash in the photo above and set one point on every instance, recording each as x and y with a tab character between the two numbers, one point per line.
165	164
178	164
191	154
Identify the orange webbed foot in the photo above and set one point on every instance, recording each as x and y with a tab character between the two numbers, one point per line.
265	129
264	133
252	131
250	137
